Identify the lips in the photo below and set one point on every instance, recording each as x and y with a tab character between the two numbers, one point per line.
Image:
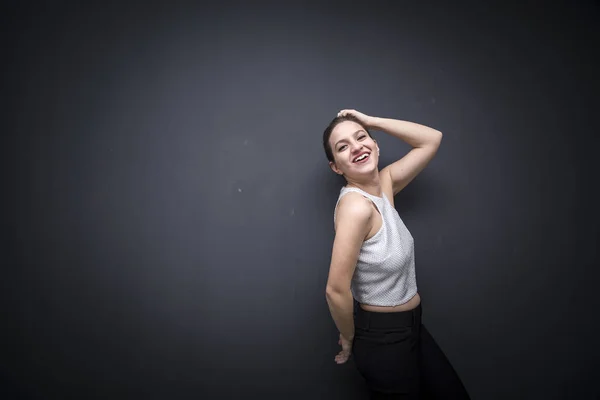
361	158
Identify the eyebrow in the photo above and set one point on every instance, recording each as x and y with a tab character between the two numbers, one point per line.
342	140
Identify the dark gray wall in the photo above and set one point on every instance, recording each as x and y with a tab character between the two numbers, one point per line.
168	207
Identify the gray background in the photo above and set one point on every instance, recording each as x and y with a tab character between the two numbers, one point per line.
167	221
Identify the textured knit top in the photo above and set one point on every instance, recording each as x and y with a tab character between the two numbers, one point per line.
385	270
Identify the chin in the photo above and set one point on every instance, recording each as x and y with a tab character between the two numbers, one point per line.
364	171
368	167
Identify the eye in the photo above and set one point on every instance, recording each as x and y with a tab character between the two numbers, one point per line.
361	137
341	147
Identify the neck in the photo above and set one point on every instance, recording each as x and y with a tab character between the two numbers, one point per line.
371	185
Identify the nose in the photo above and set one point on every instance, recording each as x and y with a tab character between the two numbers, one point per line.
355	146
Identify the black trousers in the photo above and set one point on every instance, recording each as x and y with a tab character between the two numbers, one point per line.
399	359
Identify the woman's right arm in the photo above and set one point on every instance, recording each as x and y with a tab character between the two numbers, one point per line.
353	222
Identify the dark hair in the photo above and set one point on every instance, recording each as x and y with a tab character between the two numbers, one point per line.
331	126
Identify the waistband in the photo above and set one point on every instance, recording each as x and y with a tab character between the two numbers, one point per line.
364	319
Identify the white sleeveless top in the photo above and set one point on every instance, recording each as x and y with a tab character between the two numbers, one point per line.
385	270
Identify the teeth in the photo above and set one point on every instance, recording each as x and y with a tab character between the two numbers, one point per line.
361	157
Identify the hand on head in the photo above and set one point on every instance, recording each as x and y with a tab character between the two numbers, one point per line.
363	118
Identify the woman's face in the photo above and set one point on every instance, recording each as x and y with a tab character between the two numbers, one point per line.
354	151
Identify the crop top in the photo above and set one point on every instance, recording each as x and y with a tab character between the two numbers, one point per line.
385	269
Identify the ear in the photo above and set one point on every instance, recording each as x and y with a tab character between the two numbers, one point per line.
335	168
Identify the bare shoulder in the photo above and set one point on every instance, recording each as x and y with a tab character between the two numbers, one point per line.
354	209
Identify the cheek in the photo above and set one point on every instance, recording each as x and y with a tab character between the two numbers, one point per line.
338	155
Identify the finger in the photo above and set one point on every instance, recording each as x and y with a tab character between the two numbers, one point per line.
343	353
342	358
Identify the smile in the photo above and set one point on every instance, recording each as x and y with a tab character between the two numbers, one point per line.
361	158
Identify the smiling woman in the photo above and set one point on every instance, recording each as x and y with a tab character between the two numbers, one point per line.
371	288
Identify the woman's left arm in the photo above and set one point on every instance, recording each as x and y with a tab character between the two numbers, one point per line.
424	140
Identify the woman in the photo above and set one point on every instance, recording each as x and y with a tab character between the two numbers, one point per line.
371	289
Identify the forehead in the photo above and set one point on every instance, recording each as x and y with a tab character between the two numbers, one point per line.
344	130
